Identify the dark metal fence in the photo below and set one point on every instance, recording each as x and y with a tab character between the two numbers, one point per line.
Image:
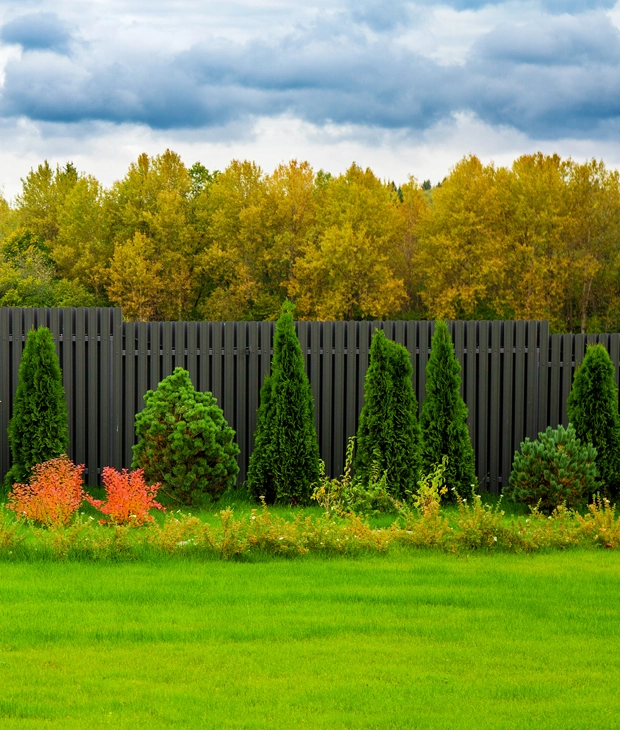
515	377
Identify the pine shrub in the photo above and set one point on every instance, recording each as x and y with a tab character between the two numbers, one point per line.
284	465
38	430
184	441
593	411
556	469
444	416
388	437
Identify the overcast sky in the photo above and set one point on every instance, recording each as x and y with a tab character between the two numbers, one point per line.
402	87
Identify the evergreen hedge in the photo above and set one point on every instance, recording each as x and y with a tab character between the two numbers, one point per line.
592	408
38	430
284	465
389	433
184	441
444	416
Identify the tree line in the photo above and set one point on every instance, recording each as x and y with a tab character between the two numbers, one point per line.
538	240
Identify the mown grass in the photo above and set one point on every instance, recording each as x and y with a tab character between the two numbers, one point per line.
417	640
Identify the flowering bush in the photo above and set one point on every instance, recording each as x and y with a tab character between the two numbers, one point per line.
129	497
53	495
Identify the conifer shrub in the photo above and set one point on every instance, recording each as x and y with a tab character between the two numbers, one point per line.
556	469
389	433
284	465
593	412
38	430
184	441
443	419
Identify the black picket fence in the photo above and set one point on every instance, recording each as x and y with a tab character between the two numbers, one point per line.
515	377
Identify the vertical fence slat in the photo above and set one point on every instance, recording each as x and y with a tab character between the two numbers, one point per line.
459	351
614	353
508	402
567	372
130	391
105	375
471	374
242	401
216	363
142	369
327	398
494	406
204	363
82	414
483	404
315	372
424	348
192	353
531	417
5	389
16	354
338	433
364	349
555	381
253	386
351	387
166	348
229	373
543	376
519	428
155	342
116	416
92	357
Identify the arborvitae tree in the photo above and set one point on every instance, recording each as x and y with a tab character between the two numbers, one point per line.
184	441
444	416
374	433
389	434
38	429
404	471
593	411
284	465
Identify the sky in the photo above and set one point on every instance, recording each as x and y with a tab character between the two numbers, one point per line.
406	88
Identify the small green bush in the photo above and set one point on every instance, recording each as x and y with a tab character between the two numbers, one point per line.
593	411
556	469
38	430
185	442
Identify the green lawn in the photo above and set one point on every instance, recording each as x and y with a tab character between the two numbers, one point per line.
417	641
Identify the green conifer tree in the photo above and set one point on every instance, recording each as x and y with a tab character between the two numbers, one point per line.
38	430
284	465
444	416
184	441
388	435
593	411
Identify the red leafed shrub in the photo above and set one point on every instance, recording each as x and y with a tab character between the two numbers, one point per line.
54	493
129	497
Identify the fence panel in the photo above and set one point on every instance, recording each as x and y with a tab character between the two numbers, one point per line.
515	377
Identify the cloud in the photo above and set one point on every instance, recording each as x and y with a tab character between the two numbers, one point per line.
544	75
37	31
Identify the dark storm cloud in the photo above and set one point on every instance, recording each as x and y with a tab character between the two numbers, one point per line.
549	75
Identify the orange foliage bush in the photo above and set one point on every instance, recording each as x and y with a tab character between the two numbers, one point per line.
53	495
129	497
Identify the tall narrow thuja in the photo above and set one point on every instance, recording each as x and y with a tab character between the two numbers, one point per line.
38	429
444	416
388	437
404	471
593	411
374	433
284	465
